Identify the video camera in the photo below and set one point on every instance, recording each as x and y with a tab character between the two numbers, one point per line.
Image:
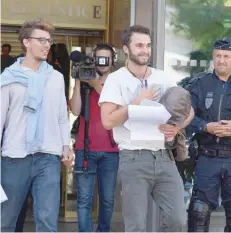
84	67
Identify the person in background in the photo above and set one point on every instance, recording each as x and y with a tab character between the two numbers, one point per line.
61	60
52	59
103	156
6	58
211	101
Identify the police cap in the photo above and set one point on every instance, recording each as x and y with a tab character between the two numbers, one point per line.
223	44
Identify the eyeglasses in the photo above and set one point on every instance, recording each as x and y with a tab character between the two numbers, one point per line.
43	40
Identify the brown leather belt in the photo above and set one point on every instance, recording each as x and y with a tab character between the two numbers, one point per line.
215	153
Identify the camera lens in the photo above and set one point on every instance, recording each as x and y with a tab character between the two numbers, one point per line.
88	72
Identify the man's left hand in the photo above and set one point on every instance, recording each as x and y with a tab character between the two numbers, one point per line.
92	82
223	130
95	83
169	130
67	157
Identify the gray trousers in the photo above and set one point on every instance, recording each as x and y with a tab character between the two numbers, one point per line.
143	173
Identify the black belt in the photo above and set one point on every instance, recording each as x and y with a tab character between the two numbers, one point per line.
215	152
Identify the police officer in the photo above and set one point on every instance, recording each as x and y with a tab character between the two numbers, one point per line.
211	100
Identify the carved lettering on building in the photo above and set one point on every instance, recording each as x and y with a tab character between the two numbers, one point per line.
63	13
64	10
61	9
97	12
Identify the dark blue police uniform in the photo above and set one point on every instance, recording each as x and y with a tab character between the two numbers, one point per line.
211	100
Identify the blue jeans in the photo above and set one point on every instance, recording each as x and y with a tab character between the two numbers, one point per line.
40	170
105	165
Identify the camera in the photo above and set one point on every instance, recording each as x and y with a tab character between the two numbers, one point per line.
85	67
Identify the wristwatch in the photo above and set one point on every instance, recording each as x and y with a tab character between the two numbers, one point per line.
206	129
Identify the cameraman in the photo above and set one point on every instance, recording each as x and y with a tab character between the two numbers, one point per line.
103	157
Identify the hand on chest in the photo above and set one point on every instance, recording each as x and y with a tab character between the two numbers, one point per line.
132	89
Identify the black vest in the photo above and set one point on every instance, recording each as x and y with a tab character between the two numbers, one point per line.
214	104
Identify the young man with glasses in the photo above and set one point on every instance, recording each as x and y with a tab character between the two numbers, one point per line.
36	131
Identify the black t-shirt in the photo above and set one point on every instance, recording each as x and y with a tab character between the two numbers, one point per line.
6	61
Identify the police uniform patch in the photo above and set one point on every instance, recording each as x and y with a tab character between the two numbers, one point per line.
209	100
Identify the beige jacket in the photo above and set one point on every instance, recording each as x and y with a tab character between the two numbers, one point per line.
178	103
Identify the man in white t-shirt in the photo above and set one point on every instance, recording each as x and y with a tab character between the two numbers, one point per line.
143	171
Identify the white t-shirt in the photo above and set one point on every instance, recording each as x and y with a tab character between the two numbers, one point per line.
121	88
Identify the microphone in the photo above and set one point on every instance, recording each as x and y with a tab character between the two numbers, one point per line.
76	56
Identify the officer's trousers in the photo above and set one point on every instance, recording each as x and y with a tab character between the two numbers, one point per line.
212	174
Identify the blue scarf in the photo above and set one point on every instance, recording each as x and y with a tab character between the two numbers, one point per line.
35	83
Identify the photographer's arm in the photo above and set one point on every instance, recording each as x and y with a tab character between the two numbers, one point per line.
95	83
98	89
76	99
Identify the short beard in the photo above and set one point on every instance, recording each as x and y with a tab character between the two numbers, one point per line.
107	71
135	59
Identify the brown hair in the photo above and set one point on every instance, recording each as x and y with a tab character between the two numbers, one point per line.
29	26
134	29
6	46
104	46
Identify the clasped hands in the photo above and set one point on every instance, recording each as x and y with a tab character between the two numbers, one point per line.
220	129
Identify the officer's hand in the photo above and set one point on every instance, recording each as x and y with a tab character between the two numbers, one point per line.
212	127
169	130
224	129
